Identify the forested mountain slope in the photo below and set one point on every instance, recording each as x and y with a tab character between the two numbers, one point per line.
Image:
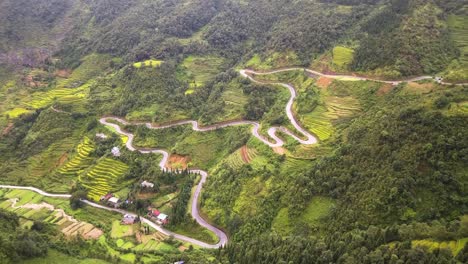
384	180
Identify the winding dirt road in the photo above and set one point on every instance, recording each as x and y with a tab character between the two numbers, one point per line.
274	141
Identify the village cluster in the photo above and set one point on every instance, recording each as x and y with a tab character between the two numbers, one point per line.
152	213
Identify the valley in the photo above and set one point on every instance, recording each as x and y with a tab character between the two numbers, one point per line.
225	131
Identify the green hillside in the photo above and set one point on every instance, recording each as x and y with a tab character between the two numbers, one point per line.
384	181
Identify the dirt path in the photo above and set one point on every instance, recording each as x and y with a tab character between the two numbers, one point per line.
245	154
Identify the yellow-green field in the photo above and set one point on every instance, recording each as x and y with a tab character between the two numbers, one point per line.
454	246
457	70
317	209
103	177
197	70
236	161
342	56
17	112
148	63
80	161
320	121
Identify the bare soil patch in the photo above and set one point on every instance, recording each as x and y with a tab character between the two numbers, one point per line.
144	196
7	129
324	82
95	233
178	161
63	73
385	89
182	248
279	150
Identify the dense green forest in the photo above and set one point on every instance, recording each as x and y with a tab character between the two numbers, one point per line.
385	183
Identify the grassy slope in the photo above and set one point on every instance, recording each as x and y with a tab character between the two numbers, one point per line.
458	70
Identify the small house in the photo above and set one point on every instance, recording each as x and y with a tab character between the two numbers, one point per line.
101	135
129	219
106	197
146	184
114	201
153	213
115	151
163	219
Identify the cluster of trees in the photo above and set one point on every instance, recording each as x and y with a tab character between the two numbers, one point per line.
408	37
179	210
396	174
17	244
356	247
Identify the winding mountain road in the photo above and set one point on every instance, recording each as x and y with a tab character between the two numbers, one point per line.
274	141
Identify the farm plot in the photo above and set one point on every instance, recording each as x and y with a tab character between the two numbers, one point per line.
198	70
148	63
235	101
17	112
38	170
242	156
321	120
458	26
103	177
342	56
80	160
31	207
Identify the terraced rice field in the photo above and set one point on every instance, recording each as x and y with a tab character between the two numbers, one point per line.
342	56
234	100
321	120
236	159
129	238
39	169
103	177
153	242
70	96
458	26
148	63
31	207
459	32
197	70
80	161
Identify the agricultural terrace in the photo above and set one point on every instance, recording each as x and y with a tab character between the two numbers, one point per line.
320	109
104	177
30	207
313	216
275	60
80	161
198	70
241	157
17	112
342	56
458	26
147	63
72	96
130	237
